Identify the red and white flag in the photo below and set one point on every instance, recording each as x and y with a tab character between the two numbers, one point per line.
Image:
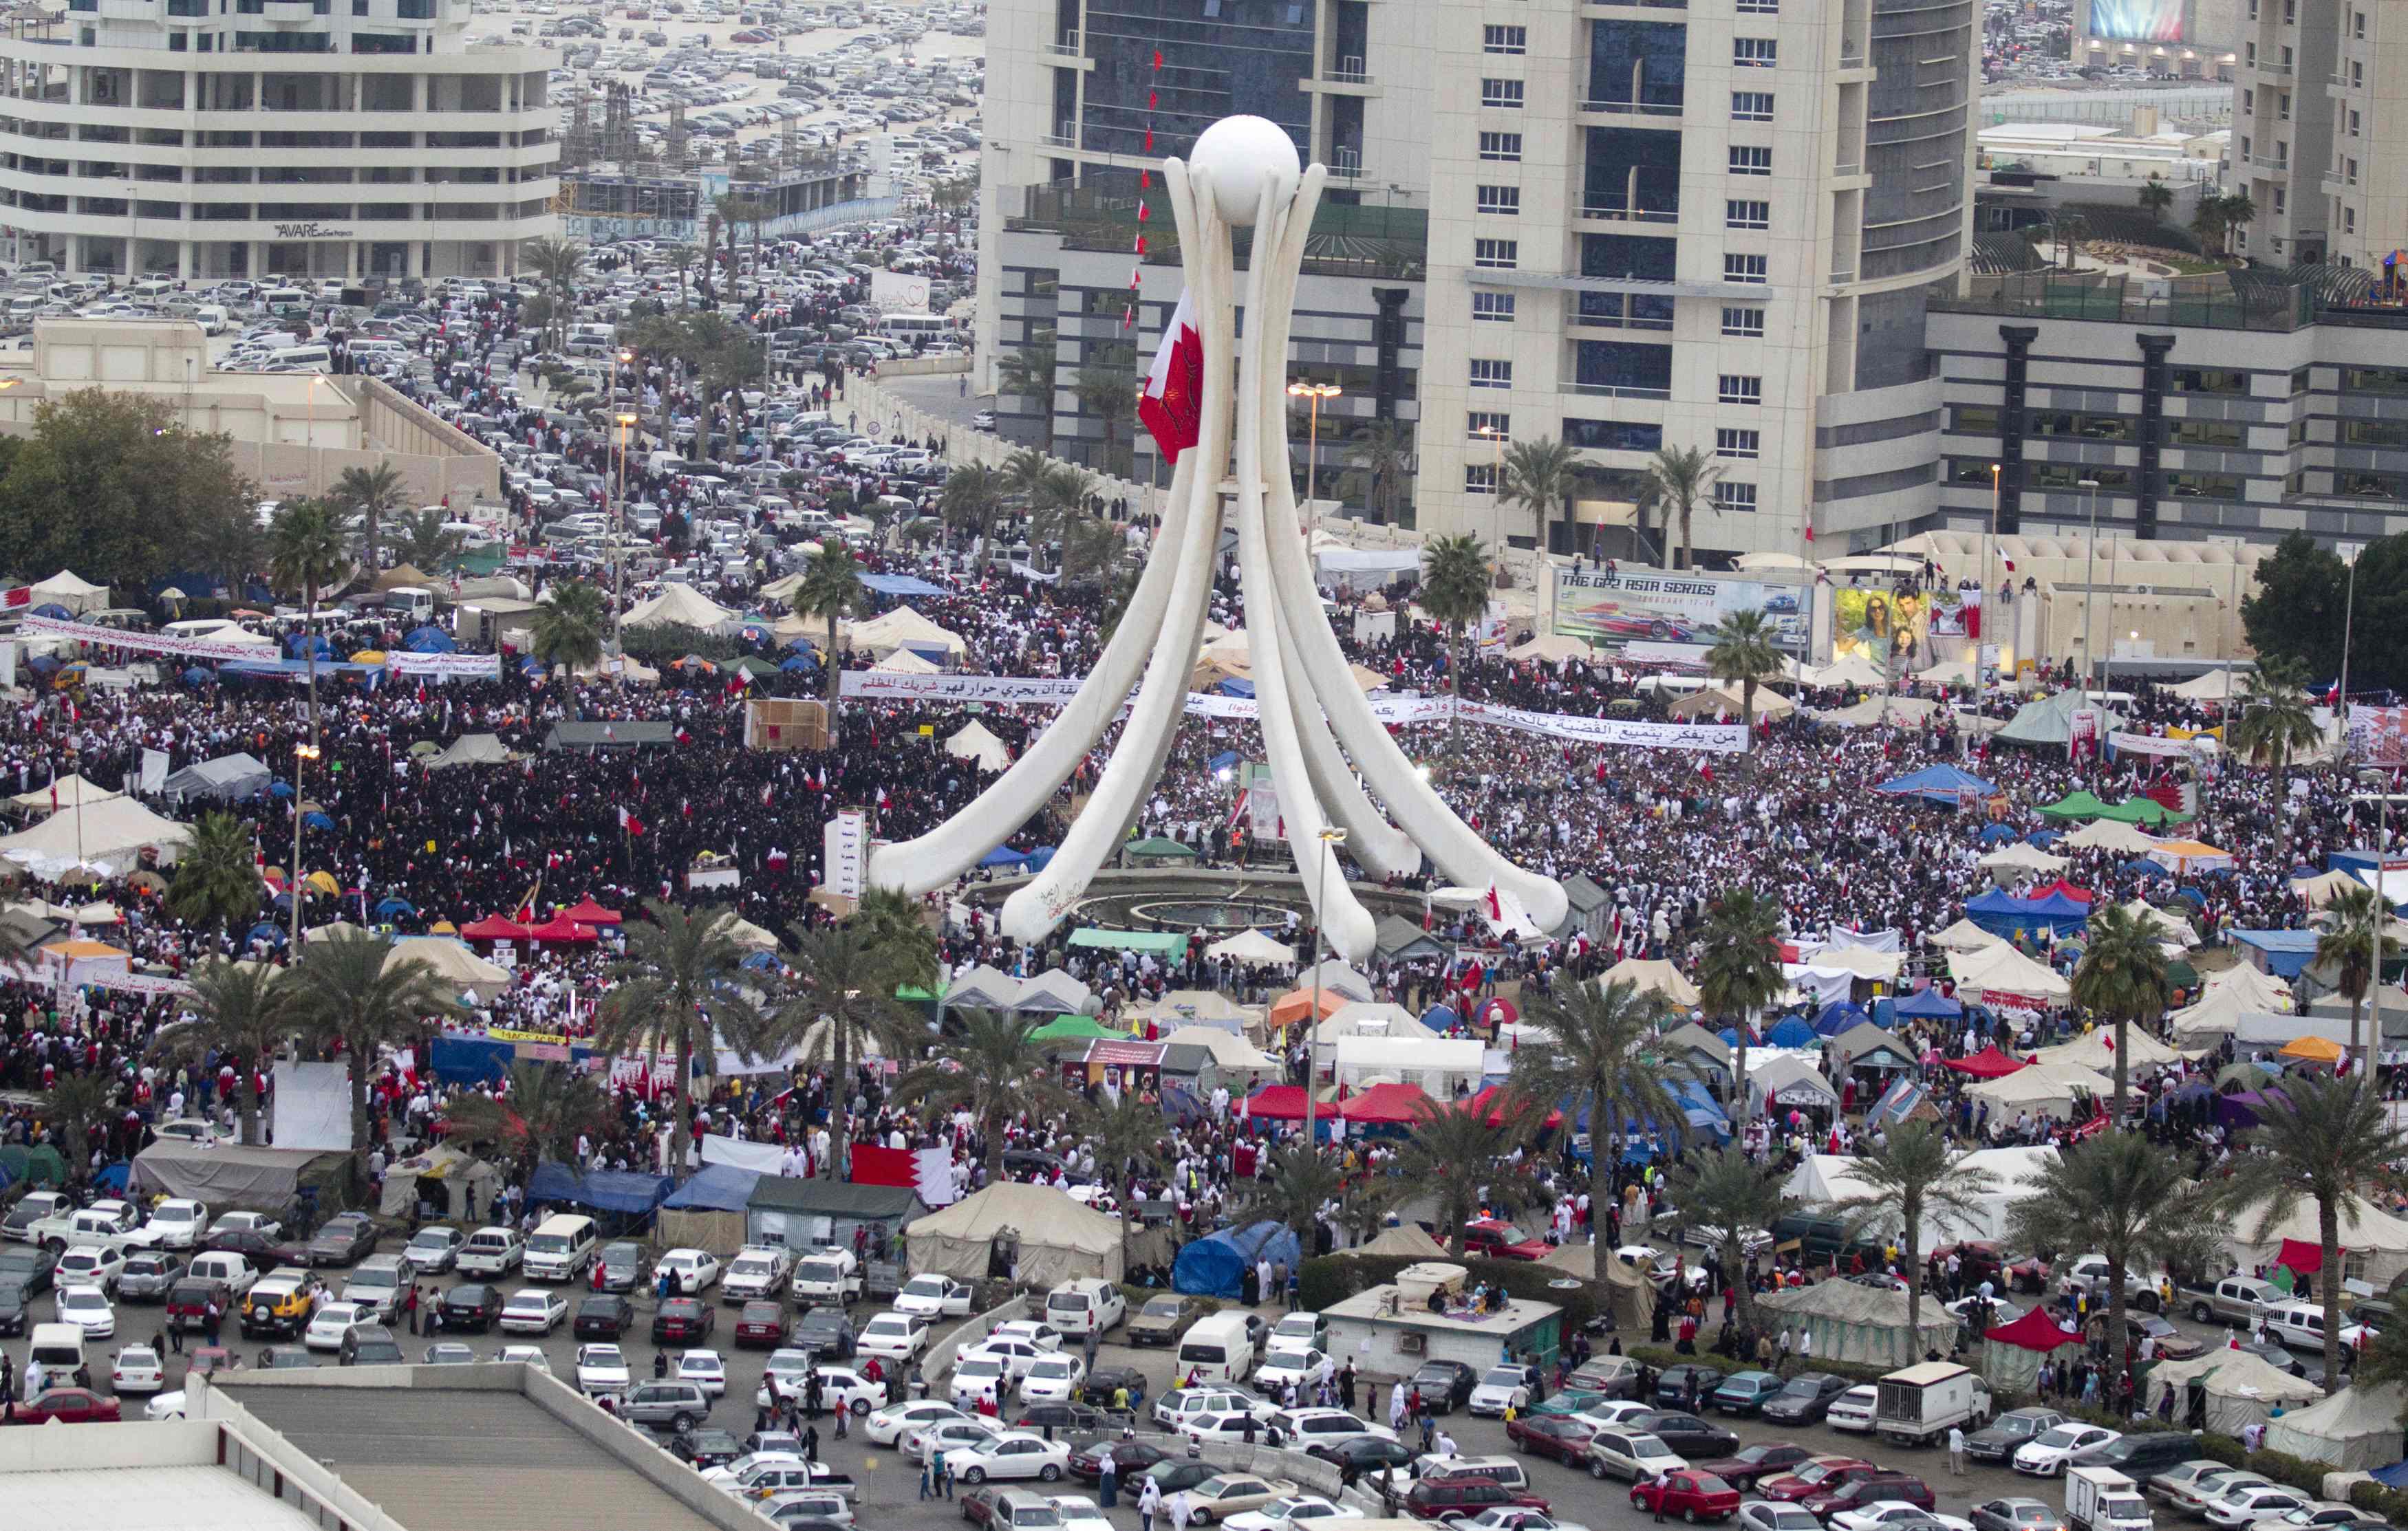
1173	405
1495	905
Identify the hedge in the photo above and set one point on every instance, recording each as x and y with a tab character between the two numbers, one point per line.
1332	1279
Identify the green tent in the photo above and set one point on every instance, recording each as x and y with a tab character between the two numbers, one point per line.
1159	847
2145	810
1073	1028
2080	804
758	669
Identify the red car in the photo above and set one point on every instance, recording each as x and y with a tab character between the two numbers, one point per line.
67	1406
1865	1489
1694	1496
1557	1436
1823	1472
761	1324
1498	1240
1752	1465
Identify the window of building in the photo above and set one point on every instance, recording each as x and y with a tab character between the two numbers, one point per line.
1612	435
2281	201
1760	8
2358	25
2374	380
1969	470
1747	322
1751	161
2349	220
2353	124
2357	75
1496	254
1488	425
2350	171
1738	388
1501	93
2205	486
1739	213
2085	427
2374	433
1494	308
1506	201
2210	380
1501	145
2301	378
1729	442
1751	106
2209	433
2248	102
2282	106
1746	268
1488	373
1733	497
1755	52
1480	478
1974	420
2068	477
1504	39
2299	432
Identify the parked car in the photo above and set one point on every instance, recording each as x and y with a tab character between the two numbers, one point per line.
1746	1393
1460	1496
1675	1387
343	1238
602	1315
1752	1465
1854	1410
471	1306
1870	1488
684	1319
1697	1440
534	1311
2046	1453
1692	1494
1561	1438
1630	1455
1445	1386
2015	1515
1805	1398
1812	1478
434	1249
761	1325
2003	1437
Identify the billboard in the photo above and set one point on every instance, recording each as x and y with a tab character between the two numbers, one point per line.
2138	21
1612	607
1883	627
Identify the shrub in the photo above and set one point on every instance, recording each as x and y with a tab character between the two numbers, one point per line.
2390	1503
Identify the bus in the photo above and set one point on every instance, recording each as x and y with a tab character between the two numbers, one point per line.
913	327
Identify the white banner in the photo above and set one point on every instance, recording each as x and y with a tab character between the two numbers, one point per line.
148	643
845	853
155	770
448	667
2149	744
131	983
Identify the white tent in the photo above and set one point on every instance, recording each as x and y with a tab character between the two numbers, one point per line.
65	589
1338	978
975	742
2241	1387
1053	992
1788	1081
2094	1050
1436	1063
1054	1238
2263	991
1848	670
2374	1244
982	988
904	628
1652	977
69	790
2015	1175
2214	686
1185	1009
471	749
1872	711
2002	969
1251	946
2022	857
1714	702
904	661
1554	648
1228	1051
680	606
452	961
2110	835
2040	1088
2355	1429
1370	1018
2323	887
111	834
1859	1324
1822	1179
2170	927
1862	961
1964	935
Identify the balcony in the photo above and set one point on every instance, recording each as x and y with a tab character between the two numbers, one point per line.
1841	275
1613	390
1849	167
1618	210
2267	162
288	10
1066	47
1641	108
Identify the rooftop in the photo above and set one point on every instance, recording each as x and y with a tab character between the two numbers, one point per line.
143	1498
1373	1307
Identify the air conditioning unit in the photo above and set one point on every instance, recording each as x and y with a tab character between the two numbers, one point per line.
1412	1344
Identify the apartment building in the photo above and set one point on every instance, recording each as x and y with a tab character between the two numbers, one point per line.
205	139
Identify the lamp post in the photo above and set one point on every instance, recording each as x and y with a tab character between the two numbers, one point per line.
1332	838
619	543
1989	545
1316	393
2090	590
2340	708
302	756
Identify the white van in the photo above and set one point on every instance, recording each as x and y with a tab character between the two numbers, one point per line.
314	358
561	1248
211	318
154	287
1085	1306
415	601
1219	1348
59	1347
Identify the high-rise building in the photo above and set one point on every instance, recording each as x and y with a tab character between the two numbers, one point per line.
257	138
2178	39
2365	186
2282	128
1625	224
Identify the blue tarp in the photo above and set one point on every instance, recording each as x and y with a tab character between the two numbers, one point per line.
472	1060
1235	687
1897	1102
1698	1106
429	640
1790	1031
2044	838
1939	783
798	665
717	1188
902	584
1004	855
2394	1476
394	909
1837	1018
2002	914
1215	1265
1995	835
605	1190
1227	758
2286	951
1927	1003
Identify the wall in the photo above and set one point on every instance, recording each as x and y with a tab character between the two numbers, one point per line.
939	1357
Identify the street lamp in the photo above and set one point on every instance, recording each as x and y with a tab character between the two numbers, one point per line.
302	756
1989	545
618	542
1332	838
1316	393
2090	590
2348	620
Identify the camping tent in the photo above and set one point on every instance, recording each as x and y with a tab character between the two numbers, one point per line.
471	749
452	961
680	606
2355	1429
1189	1009
225	780
1053	992
906	662
109	834
975	743
1864	1324
1410	1241
982	988
1790	1082
1652	977
1215	1265
2241	1386
1056	1238
1370	1018
1964	935
2011	1353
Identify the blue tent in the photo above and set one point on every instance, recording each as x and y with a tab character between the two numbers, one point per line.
2394	1476
1791	1031
1215	1265
1439	1017
429	640
1004	855
1705	1116
2003	914
2286	951
1939	785
1927	1004
2044	838
299	644
281	789
396	909
196	676
798	665
1041	857
604	1191
267	930
470	1060
1838	1017
1729	1036
316	821
1235	687
1996	834
716	1188
54	611
2144	865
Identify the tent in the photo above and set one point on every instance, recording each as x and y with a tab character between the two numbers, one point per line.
1215	1265
982	988
2355	1429
1052	1238
2241	1386
1928	1005
65	589
2286	954
1335	975
1055	992
1988	1063
1254	948
1370	1018
2050	722
2317	891
1864	1324
1652	977
2011	1353
1550	647
111	834
2185	857
708	1212
1963	935
623	1193
2037	1090
1437	1065
1790	1031
1389	1105
1410	1241
1297	1004
451	961
904	628
2110	834
459	1186
1229	1051
2094	1050
1186	1008
1873	711
1939	785
1788	1081
2374	1239
2170	927
471	749
975	743
229	1174
1710	702
64	793
2213	686
905	662
1076	1028
2003	914
2009	860
225	780
2001	974
680	606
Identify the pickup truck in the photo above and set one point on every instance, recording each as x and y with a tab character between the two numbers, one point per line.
2235	1300
1919	1405
109	1224
31	1207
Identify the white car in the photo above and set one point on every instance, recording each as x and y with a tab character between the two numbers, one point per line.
1852	1410
431	1251
2243	1504
1613	1413
262	1224
491	1251
1080	1513
91	1264
191	1131
949	1435
1290	1513
697	1270
1173	1406
164	1405
1284	1366
755	1273
885	1426
934	1296
178	1222
531	1354
1772	1515
1228	1428
1882	1512
534	1311
1054	1379
138	1369
1501	1388
1512	1518
896	1336
1017	1356
2002	1311
601	1368
705	1369
1016	1453
1044	1336
87	1307
332	1322
752	1470
977	1376
2044	1455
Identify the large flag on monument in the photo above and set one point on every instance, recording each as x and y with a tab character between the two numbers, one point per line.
1172	404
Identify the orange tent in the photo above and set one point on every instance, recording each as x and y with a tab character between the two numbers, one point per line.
2316	1050
1297	1004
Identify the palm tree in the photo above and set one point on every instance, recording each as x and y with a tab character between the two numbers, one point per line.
1107	389
1093	549
1452	1156
842	1005
1023	470
547	1109
1029	372
1677	478
1379	465
677	991
375	493
1126	1134
681	259
2273	724
2155	198
1057	495
1597	1064
557	264
2240	210
2116	1193
1454	592
76	1104
1910	1176
1740	972
1540	475
423	540
831	587
306	554
2122	976
994	1071
2357	921
353	995
2323	1141
970	501
894	921
245	1014
217	880
1724	1189
566	633
1744	652
1302	1184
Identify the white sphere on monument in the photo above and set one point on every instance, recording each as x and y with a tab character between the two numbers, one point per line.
1241	155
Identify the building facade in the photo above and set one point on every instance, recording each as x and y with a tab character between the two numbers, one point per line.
258	138
2319	86
2178	39
1625	226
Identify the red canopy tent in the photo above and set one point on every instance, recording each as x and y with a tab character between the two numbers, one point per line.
2034	1331
1277	1102
2079	895
1492	1101
493	928
560	927
1988	1063
1388	1105
587	912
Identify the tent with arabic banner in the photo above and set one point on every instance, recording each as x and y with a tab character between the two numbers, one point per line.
1864	1324
2011	1353
2240	1387
2002	976
2356	1429
1052	1238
